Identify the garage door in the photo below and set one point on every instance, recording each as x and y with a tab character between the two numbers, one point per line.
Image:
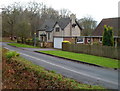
58	43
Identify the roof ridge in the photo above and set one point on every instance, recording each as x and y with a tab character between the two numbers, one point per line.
110	18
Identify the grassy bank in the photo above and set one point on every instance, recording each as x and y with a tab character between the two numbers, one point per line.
21	45
105	62
19	73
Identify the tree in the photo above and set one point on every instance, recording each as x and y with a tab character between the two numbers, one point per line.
24	30
10	19
108	39
88	24
16	17
64	13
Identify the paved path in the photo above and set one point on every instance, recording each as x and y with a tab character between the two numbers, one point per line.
80	72
38	49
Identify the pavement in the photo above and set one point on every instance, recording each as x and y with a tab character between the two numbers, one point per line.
38	49
81	72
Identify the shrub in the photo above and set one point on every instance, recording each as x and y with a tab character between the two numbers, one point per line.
96	43
11	54
108	39
66	42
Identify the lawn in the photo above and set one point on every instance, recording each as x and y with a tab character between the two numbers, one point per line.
21	45
19	73
101	61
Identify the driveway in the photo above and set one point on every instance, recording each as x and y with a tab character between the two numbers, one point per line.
81	72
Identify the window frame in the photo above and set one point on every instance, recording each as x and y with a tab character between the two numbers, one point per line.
89	39
48	35
82	39
57	29
100	40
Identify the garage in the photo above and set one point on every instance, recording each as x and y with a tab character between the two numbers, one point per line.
58	43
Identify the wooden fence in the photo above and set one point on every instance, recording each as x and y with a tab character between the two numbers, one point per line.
98	50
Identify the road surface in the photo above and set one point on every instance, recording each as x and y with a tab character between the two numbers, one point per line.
81	72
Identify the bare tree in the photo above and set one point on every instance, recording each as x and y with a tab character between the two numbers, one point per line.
10	19
64	13
88	24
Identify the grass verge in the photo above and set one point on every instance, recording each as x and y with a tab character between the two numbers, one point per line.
101	61
21	45
19	73
6	39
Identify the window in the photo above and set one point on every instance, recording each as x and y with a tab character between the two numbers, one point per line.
80	40
48	36
57	29
73	25
88	40
100	40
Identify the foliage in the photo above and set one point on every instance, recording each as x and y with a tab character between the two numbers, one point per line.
105	62
88	24
24	20
12	54
108	39
22	74
96	43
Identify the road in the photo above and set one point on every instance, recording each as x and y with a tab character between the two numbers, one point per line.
81	72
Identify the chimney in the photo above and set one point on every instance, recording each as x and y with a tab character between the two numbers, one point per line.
73	18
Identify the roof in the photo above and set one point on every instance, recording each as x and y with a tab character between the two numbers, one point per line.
47	25
113	22
63	22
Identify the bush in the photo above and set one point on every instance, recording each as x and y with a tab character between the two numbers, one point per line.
66	42
96	43
11	54
108	39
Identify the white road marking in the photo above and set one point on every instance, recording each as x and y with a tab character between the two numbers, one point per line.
80	73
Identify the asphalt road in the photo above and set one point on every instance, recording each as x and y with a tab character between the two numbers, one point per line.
81	72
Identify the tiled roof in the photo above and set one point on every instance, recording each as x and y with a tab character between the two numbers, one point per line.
63	22
113	22
49	24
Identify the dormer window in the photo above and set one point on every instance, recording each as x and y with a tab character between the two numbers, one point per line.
57	29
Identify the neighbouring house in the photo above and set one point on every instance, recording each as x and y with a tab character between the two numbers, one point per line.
52	32
98	32
96	37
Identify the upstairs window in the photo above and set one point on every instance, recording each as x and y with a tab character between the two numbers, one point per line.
73	25
57	29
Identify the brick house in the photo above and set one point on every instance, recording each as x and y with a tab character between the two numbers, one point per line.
98	32
96	37
63	27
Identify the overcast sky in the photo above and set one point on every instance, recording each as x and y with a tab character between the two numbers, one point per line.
98	9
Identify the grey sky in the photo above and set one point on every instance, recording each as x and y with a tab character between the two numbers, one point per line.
98	9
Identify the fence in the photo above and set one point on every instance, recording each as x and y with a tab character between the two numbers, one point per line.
98	50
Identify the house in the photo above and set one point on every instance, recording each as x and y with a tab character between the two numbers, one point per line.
98	32
96	37
52	32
